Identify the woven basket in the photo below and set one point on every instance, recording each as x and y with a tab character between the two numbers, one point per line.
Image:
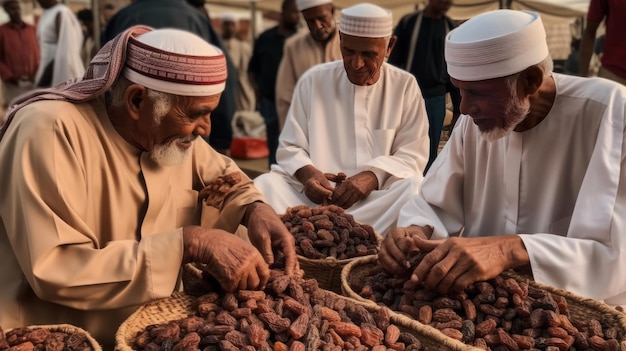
69	329
580	309
326	271
177	306
180	306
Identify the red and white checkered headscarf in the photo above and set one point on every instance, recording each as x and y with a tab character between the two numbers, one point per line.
166	60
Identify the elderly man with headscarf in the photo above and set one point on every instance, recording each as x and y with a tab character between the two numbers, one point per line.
319	44
533	176
360	116
101	189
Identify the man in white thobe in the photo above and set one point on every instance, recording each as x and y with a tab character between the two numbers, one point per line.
359	116
61	39
533	176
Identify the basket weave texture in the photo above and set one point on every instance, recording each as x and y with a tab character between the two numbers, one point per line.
580	309
326	271
180	305
69	329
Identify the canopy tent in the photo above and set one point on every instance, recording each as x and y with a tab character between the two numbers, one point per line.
559	16
461	9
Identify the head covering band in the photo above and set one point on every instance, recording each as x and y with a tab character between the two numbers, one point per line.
366	20
495	44
174	73
307	4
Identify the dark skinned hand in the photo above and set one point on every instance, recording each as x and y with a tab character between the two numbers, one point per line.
456	263
354	189
398	246
234	263
267	231
316	187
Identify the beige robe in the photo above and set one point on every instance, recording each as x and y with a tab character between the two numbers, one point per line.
240	52
90	225
301	52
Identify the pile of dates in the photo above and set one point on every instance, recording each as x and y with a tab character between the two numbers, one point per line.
290	314
501	314
328	231
35	338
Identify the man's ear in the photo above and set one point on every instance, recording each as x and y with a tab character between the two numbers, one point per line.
533	78
135	97
392	43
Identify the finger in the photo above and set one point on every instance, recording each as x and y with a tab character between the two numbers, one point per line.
427	245
229	285
342	199
291	259
464	281
448	282
392	253
266	249
263	273
424	269
253	280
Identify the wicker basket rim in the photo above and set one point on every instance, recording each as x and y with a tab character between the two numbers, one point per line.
598	306
66	327
178	299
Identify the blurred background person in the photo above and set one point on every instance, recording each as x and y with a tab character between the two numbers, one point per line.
614	47
240	52
263	68
60	40
19	53
200	6
88	49
180	14
419	50
305	50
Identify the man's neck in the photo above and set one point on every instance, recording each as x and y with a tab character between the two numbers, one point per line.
286	31
541	103
432	12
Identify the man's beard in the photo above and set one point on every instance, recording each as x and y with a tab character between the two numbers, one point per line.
170	154
516	112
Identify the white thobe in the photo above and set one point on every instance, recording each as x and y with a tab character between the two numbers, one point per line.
337	126
64	48
561	185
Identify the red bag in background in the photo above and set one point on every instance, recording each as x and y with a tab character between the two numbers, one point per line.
248	136
248	148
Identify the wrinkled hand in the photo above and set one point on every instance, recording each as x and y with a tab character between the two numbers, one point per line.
316	187
267	231
233	262
398	246
354	189
456	263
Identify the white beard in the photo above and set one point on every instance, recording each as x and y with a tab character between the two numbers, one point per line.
516	112
169	154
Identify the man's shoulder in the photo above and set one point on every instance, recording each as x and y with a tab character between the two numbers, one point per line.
396	73
268	33
297	40
409	18
53	112
327	71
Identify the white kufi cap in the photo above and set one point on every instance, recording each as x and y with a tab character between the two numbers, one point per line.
366	20
176	62
307	4
495	44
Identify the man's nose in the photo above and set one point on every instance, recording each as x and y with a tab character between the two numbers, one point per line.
203	127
